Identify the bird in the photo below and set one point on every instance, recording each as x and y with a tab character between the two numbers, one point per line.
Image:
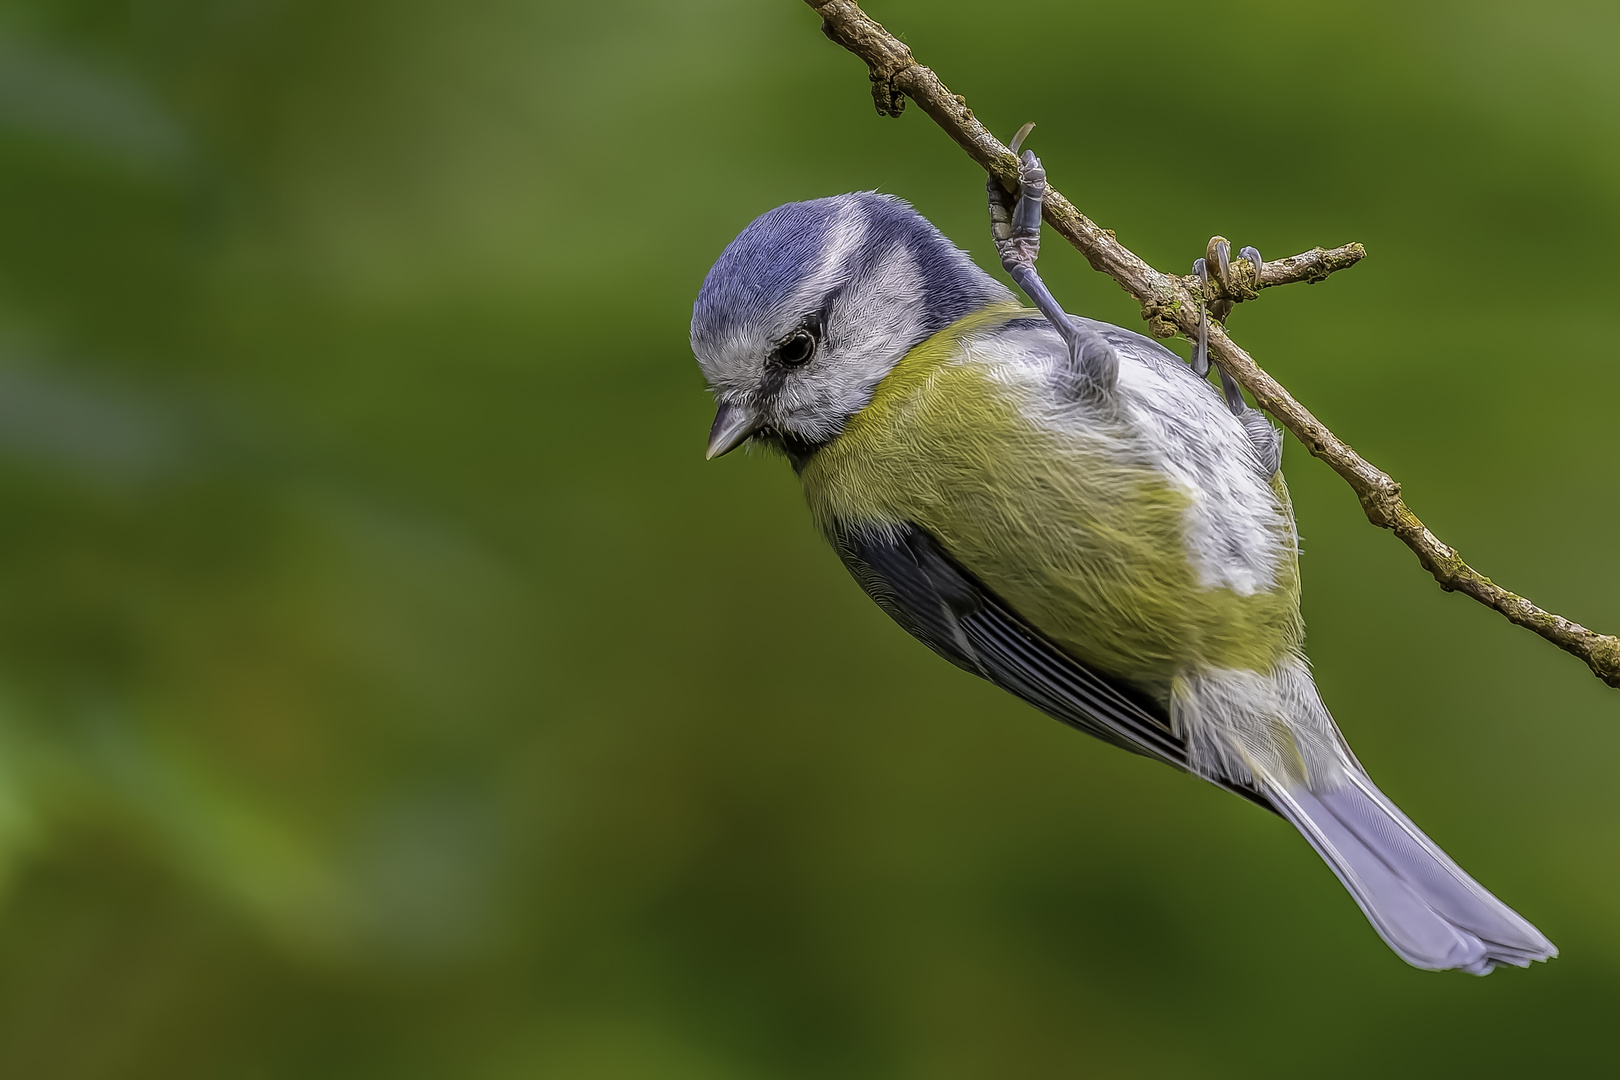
1068	510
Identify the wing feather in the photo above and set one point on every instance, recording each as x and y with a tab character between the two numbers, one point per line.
911	577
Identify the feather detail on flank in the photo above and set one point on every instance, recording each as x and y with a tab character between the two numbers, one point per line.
1118	534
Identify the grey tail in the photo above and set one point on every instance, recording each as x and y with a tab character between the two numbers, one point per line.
1420	902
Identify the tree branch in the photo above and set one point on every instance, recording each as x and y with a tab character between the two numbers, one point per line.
1170	305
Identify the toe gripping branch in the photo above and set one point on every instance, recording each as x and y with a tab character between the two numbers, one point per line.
1220	253
1016	227
1267	440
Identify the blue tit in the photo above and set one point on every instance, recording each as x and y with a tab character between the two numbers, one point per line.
1066	509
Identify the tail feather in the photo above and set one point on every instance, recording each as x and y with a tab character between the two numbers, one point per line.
1421	902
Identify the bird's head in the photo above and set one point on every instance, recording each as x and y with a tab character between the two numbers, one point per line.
813	304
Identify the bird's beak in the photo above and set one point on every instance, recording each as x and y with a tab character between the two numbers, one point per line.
732	426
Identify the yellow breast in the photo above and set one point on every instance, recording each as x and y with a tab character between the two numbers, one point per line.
1081	537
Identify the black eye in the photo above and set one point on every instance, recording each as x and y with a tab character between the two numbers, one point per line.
797	349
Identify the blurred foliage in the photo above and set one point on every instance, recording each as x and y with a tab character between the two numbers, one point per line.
388	687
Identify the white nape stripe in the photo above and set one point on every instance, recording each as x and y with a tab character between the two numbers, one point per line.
844	239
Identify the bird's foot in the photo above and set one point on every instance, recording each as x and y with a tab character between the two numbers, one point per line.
1219	253
1015	225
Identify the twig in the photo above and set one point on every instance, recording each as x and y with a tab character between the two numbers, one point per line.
1170	304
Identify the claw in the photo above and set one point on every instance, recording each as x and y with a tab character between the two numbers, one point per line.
1219	256
1233	392
1253	255
1018	139
1200	358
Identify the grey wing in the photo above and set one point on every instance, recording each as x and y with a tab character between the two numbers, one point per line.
911	577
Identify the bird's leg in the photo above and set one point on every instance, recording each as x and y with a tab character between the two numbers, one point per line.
1266	440
1017	232
1200	356
1233	392
1219	253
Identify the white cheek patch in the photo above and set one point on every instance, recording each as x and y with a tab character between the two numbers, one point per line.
872	323
880	316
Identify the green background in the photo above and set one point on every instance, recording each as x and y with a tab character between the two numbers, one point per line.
389	688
